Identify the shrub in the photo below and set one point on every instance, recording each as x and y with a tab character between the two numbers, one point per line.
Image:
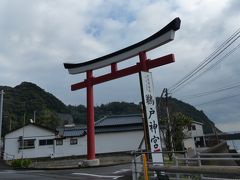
21	163
16	163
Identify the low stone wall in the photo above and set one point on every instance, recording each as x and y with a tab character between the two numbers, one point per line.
219	148
73	162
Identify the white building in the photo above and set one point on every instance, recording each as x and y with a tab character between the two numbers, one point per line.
194	137
28	142
112	134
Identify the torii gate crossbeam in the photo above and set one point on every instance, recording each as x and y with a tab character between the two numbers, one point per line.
115	74
161	37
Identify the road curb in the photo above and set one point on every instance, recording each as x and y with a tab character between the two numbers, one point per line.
70	167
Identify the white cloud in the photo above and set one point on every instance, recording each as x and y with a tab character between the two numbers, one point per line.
38	36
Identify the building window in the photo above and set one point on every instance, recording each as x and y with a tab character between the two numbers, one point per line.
193	127
44	142
73	141
26	143
59	142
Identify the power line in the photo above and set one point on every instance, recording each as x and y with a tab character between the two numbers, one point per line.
216	100
215	64
212	92
207	60
200	68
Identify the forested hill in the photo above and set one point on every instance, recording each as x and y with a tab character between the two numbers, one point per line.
175	105
122	108
21	101
113	108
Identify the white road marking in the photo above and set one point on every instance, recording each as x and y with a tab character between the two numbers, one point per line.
122	170
95	175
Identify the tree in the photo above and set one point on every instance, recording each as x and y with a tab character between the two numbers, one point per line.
178	122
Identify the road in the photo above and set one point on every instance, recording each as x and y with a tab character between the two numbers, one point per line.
119	172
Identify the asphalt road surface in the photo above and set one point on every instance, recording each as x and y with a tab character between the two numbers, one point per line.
119	172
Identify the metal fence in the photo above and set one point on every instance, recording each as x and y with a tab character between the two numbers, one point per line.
205	166
141	162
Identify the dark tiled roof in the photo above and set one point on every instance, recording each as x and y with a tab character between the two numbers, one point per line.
106	129
119	123
74	133
117	120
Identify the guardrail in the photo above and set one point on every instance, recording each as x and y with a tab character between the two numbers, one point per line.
183	167
141	162
222	170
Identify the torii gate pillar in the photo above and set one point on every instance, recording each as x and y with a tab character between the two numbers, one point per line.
90	117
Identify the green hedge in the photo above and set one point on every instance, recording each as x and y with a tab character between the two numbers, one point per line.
21	163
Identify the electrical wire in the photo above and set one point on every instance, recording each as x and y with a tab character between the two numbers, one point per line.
206	59
216	100
211	66
227	43
199	69
226	88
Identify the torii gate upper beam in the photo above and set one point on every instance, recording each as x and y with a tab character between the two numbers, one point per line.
163	36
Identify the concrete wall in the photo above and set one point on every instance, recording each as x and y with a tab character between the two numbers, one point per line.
71	150
118	141
219	148
189	144
105	143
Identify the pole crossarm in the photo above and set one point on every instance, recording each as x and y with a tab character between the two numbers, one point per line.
160	38
125	72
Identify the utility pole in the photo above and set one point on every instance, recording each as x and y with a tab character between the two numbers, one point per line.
34	116
10	123
165	90
1	118
24	119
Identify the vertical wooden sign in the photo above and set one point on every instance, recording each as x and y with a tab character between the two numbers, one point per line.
149	104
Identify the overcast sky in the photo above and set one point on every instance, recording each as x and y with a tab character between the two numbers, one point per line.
37	37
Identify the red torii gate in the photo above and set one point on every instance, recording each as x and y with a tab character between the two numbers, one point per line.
161	37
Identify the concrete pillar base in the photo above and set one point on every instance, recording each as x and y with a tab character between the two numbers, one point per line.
89	163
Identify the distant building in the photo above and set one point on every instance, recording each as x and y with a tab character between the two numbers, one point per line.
194	136
112	134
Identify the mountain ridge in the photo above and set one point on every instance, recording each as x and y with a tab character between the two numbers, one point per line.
26	99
